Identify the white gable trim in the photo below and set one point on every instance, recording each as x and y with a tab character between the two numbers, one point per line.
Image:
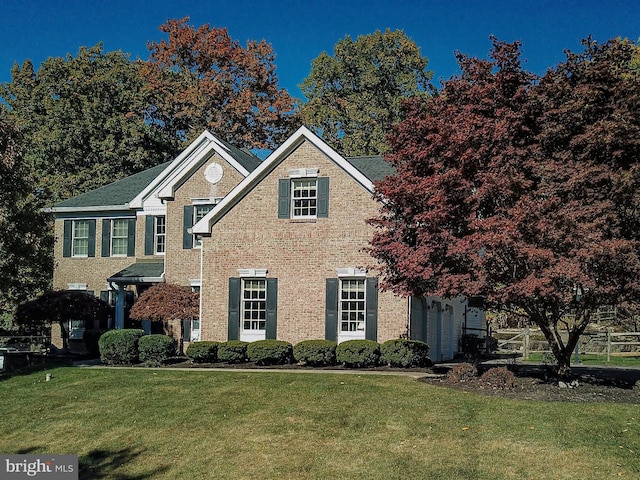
191	158
203	227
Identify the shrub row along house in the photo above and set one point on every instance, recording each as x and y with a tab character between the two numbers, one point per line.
277	248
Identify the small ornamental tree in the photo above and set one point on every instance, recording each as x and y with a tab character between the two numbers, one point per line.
166	302
61	306
524	192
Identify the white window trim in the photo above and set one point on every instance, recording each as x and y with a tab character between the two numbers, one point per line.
252	272
76	286
351	272
112	236
156	235
304	172
74	238
252	335
357	334
292	207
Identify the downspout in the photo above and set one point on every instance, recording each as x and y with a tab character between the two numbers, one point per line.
201	284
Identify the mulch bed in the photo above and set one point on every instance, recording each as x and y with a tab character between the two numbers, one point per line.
587	385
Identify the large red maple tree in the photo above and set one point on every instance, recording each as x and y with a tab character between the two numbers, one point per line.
519	189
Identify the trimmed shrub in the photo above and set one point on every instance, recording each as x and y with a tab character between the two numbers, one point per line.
203	352
358	353
120	347
499	378
315	353
233	351
462	372
156	349
270	352
405	353
90	338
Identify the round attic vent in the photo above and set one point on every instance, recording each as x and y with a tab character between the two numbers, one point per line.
213	173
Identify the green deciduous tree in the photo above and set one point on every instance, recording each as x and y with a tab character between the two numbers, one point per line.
201	78
26	241
355	97
522	191
84	120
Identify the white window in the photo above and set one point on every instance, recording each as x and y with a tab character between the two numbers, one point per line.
304	201
159	235
119	237
352	309
80	238
199	212
253	309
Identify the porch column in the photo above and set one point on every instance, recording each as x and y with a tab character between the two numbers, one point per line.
120	308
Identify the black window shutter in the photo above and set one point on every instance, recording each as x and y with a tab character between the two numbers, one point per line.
331	310
148	234
92	238
186	330
187	238
371	326
284	197
131	238
323	197
66	238
106	237
272	309
416	322
233	332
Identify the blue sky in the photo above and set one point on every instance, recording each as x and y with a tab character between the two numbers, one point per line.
300	30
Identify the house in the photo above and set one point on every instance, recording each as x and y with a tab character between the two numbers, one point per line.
277	248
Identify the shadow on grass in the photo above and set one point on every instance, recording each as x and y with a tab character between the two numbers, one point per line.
99	464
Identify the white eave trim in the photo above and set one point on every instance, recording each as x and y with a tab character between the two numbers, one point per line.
203	227
95	208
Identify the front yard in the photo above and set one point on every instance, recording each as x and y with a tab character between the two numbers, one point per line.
200	424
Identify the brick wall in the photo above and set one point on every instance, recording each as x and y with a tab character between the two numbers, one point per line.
301	255
181	264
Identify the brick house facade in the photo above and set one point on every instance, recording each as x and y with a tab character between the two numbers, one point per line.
277	248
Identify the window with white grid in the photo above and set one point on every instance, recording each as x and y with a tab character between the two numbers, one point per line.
199	212
254	304
352	305
80	239
159	235
119	236
305	198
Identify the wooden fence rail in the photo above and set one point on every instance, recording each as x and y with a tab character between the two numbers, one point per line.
608	341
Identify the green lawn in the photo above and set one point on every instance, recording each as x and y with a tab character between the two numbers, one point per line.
139	424
590	359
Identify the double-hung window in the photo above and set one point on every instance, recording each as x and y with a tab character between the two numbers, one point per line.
119	237
199	212
80	238
254	307
304	202
159	234
352	306
304	195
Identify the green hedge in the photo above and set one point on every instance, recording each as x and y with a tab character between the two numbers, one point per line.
315	353
203	352
358	353
233	351
120	347
270	352
156	349
405	353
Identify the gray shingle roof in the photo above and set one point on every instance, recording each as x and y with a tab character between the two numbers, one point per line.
118	193
140	272
373	167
